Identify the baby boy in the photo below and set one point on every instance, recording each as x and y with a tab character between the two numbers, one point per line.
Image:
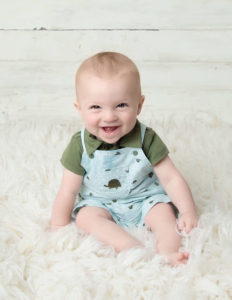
118	167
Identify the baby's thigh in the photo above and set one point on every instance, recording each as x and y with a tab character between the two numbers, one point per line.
88	215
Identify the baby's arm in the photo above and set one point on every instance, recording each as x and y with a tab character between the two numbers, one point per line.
65	198
179	193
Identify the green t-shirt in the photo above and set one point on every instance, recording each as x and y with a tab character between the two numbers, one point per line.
153	147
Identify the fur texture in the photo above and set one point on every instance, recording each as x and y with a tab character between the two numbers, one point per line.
68	264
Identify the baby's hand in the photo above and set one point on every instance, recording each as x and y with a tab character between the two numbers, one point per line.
187	221
54	227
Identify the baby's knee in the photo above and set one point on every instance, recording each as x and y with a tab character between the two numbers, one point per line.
87	217
83	218
161	212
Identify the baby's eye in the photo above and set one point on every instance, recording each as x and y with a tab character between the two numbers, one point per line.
122	105
95	107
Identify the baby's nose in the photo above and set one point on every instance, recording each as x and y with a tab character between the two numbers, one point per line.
110	115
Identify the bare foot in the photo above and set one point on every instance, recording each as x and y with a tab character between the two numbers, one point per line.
177	258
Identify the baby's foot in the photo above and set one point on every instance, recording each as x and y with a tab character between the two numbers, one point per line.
177	258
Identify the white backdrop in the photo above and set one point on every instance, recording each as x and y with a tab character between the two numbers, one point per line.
183	50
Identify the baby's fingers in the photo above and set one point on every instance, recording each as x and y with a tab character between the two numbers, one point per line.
186	225
181	224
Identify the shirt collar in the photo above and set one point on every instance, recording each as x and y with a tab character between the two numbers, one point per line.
132	139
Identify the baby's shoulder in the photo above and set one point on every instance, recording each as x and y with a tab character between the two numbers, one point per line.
75	142
150	134
76	136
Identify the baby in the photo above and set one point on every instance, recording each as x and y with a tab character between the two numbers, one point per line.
119	167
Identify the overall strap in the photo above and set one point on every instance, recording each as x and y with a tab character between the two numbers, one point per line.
83	139
143	129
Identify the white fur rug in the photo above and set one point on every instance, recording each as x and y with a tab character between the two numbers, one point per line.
37	264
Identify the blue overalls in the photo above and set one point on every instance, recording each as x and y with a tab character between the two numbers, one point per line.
121	181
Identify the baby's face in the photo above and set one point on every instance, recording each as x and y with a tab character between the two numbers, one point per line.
109	106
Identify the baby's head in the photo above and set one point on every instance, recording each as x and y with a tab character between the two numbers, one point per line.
108	95
108	65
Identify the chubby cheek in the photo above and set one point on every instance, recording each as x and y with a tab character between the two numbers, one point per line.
88	119
91	121
130	120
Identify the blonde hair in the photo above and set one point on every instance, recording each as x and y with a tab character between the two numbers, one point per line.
108	64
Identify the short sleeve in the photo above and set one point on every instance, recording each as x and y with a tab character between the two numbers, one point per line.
153	147
71	158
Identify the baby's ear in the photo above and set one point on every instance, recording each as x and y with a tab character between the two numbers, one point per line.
141	104
76	105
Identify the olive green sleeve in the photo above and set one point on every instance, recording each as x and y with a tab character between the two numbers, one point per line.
153	147
71	158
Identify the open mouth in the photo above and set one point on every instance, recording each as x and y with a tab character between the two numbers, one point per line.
110	129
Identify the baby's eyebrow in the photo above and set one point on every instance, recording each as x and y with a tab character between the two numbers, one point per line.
124	99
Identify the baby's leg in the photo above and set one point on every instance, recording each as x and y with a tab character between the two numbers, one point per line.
99	222
162	221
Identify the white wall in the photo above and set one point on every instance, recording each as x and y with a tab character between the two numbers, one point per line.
182	48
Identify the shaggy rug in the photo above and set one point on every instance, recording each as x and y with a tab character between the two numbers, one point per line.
68	264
